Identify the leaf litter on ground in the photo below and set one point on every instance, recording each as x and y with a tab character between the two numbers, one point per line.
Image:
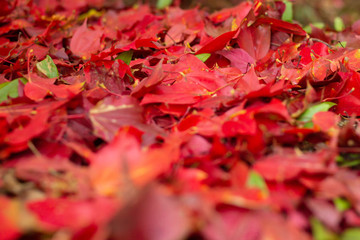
156	122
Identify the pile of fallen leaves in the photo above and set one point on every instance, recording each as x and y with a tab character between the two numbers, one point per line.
158	123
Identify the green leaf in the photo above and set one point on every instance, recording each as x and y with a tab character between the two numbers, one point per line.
339	24
255	180
320	25
351	163
341	204
351	160
308	28
203	56
48	67
320	232
125	56
351	234
161	4
341	44
91	13
9	89
288	13
310	112
339	159
23	80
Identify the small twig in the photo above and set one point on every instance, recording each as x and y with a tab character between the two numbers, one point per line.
315	54
247	67
341	44
3	59
170	37
298	63
33	149
150	68
321	41
276	44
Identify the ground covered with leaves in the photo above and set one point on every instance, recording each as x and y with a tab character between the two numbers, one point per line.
158	123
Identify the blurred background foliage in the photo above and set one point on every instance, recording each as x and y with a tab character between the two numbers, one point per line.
325	11
305	11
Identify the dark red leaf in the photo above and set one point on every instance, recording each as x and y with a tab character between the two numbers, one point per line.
282	26
85	41
218	43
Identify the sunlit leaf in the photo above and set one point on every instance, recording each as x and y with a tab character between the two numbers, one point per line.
341	44
91	13
339	24
203	56
48	67
307	29
351	234
10	89
125	56
255	180
288	13
341	204
320	25
320	232
351	160
309	113
161	4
